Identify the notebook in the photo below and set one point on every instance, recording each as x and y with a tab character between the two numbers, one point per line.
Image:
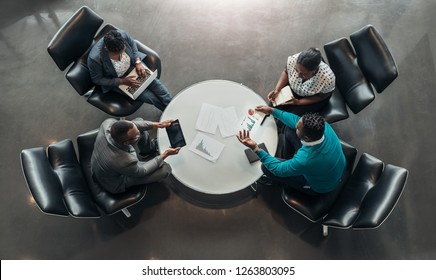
283	96
134	92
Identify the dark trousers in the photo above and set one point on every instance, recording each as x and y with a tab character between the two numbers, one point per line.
291	144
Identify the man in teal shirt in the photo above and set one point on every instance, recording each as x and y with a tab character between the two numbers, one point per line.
318	163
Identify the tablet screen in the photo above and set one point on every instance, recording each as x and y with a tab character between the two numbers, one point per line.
175	134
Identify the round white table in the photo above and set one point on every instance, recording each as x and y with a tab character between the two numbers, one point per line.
231	172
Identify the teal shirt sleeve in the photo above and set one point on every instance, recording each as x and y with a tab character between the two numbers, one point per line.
291	167
287	118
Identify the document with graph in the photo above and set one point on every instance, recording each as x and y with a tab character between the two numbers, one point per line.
251	121
206	147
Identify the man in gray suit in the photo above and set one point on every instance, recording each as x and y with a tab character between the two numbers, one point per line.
121	146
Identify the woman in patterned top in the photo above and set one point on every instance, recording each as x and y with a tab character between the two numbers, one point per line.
310	79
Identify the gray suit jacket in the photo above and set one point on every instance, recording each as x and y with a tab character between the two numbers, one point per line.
113	164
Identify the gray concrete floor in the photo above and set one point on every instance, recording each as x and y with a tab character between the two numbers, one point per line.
245	41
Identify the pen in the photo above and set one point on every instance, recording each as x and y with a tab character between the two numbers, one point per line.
264	118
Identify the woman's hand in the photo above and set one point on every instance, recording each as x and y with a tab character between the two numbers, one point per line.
130	81
272	95
140	69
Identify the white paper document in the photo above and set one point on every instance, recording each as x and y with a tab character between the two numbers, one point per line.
208	118
228	122
251	121
212	116
206	147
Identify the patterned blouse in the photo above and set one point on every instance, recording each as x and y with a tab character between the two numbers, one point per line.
122	65
322	82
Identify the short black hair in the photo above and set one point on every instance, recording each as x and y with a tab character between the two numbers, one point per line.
313	126
113	41
310	58
119	130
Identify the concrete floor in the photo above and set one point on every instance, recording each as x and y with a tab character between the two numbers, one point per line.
246	41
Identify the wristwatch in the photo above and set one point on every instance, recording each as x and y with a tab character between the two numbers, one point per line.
138	61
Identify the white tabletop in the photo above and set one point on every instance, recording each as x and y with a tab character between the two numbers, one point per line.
232	171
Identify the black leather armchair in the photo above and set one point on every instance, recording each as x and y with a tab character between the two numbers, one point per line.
71	45
315	208
60	185
369	64
364	199
108	202
369	197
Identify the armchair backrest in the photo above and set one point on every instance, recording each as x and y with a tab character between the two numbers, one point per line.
75	37
351	82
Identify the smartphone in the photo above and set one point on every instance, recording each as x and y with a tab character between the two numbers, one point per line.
175	134
252	156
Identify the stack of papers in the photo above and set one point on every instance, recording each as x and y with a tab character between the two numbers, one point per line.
211	117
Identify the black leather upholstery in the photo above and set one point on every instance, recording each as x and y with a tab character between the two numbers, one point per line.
43	182
74	37
374	57
350	80
62	186
108	202
73	42
382	198
347	207
370	195
336	109
75	189
316	207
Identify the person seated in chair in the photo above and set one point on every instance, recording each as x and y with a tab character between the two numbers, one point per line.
125	156
113	57
313	158
311	81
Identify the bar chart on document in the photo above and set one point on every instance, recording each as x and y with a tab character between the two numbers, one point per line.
206	147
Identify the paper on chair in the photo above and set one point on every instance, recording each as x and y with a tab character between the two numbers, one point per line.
206	147
208	118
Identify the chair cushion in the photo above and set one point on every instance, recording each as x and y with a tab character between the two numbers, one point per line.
113	103
382	198
336	109
347	207
42	181
75	189
350	80
316	207
374	57
74	38
79	77
108	202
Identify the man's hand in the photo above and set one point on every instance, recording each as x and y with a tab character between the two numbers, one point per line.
162	124
244	138
265	109
170	152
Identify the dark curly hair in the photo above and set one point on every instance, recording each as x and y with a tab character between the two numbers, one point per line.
113	41
313	126
119	130
310	58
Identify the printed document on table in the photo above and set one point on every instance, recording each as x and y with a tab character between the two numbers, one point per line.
228	123
206	147
251	121
208	118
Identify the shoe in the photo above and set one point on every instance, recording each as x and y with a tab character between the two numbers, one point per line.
264	180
